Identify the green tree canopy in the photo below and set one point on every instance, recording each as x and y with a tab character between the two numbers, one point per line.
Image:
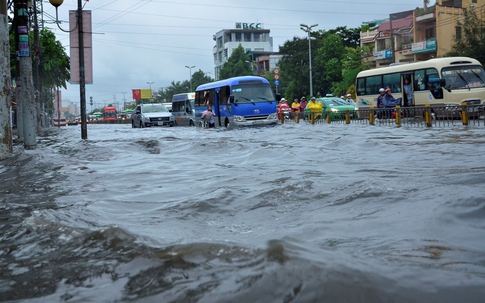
236	65
471	42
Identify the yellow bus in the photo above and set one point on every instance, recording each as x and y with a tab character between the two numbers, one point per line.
438	82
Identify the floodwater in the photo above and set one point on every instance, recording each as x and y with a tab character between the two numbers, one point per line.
290	213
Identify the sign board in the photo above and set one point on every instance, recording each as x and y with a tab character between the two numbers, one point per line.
276	82
276	71
276	76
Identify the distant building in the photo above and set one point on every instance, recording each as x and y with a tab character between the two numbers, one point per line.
252	37
417	35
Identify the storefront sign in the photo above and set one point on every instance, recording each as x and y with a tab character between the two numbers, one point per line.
424	46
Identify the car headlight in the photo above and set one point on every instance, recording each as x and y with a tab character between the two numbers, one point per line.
238	119
334	110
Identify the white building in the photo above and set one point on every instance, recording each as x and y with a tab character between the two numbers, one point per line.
252	36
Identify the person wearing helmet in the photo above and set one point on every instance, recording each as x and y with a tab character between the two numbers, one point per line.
315	108
389	100
380	98
303	104
349	100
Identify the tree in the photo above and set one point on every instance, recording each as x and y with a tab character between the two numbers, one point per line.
236	65
199	78
471	42
329	63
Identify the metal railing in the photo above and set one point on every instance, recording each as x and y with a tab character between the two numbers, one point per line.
416	116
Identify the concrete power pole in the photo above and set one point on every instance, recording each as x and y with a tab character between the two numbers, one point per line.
25	85
5	127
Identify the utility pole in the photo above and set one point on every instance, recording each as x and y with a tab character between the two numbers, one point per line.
25	84
6	146
38	87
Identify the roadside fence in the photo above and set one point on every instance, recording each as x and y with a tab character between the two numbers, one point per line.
418	116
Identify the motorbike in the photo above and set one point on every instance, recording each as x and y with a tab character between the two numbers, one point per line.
284	111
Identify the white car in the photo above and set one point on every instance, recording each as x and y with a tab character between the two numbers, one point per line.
154	114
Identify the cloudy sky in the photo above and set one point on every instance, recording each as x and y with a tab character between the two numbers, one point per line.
141	41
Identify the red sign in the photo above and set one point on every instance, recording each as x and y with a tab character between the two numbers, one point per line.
136	94
276	76
276	71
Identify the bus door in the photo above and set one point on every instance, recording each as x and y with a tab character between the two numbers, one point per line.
410	77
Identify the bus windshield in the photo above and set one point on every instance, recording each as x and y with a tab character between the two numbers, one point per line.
252	93
464	77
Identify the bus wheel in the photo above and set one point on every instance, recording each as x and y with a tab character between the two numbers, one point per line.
226	122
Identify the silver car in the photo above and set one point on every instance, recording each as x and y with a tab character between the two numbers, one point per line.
155	114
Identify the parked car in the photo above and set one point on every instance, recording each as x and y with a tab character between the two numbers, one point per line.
154	114
337	106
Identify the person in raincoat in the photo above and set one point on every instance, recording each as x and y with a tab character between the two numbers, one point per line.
295	109
315	108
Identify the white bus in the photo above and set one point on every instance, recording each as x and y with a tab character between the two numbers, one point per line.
438	82
183	109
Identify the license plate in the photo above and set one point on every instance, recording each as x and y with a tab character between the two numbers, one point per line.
257	122
160	123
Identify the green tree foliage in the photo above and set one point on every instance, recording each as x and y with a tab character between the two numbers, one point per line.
350	36
329	63
198	78
294	67
54	62
471	43
236	65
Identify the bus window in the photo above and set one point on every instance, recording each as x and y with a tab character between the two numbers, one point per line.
419	80
393	81
372	84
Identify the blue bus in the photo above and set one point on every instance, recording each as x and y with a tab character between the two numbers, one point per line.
238	101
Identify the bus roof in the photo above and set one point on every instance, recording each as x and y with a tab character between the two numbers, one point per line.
183	96
435	62
233	81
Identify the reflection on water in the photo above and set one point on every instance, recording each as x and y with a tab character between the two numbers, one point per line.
294	213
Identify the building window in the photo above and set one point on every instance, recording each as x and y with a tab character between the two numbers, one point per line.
257	37
225	53
247	37
474	1
238	37
458	32
429	33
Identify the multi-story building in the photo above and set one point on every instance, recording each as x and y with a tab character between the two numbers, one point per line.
251	36
419	34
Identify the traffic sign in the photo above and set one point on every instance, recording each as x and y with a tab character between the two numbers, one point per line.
276	71
276	76
276	82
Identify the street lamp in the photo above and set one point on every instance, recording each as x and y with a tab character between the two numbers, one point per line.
82	80
151	93
308	29
190	79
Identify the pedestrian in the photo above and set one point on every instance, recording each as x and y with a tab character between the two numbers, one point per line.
315	108
349	100
408	93
208	116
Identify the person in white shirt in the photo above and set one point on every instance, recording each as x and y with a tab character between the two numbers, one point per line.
350	101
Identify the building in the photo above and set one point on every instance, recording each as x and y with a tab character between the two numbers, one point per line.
253	38
416	35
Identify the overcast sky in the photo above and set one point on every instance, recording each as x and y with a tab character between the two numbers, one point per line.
140	41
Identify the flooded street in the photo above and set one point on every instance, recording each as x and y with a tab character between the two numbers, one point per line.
292	213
